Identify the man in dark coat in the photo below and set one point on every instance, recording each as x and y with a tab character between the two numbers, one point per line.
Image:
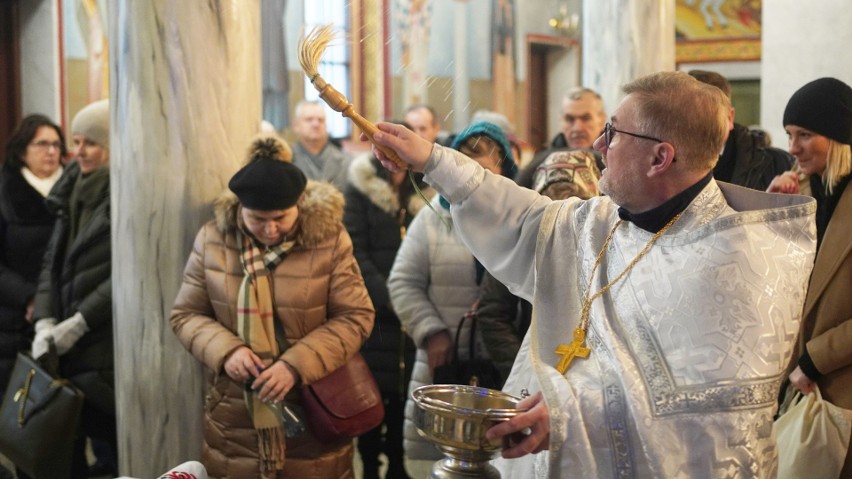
73	304
744	161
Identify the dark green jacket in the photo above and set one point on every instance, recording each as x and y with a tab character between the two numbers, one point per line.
76	276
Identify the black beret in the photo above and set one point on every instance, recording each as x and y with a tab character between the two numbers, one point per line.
823	106
268	184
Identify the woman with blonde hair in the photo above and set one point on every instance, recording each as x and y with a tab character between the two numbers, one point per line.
818	121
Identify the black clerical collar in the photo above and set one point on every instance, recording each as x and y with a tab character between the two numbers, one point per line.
653	220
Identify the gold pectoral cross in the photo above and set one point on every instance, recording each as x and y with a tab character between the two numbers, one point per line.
573	350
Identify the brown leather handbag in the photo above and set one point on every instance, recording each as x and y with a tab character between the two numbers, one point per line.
39	418
345	404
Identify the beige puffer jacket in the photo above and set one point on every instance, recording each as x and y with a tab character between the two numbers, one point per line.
319	296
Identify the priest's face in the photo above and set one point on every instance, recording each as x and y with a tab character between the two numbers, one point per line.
270	227
623	178
809	148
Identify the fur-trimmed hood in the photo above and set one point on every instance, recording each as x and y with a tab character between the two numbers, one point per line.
320	213
373	181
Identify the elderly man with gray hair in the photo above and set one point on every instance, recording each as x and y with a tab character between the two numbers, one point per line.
583	118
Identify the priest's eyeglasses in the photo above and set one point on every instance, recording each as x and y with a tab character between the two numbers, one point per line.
610	130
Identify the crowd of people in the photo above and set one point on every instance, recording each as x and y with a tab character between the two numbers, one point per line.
658	280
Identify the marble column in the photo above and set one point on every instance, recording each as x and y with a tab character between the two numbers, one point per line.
624	40
41	72
185	101
461	81
801	41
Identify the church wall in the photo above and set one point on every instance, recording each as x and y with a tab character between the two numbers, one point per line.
39	53
530	17
802	41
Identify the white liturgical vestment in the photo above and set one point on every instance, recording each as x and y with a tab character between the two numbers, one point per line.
687	349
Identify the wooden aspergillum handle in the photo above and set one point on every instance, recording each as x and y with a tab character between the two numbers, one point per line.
338	102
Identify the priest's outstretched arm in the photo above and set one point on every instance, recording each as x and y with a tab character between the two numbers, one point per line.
497	219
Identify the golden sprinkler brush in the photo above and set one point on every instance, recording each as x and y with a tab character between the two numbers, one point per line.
311	48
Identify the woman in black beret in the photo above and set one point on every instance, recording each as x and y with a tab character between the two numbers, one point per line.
271	297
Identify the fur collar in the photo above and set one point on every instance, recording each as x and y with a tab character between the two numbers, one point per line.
364	176
373	181
320	213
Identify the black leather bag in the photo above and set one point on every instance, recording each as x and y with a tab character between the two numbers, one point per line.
472	371
39	418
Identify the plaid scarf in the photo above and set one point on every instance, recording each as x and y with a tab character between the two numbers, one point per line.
255	326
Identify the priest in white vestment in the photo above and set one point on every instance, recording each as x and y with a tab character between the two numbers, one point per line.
693	292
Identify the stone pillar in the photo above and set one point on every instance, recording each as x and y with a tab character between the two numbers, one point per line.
185	101
461	82
624	40
41	63
801	41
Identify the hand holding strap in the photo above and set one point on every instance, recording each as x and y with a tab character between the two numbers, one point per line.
43	333
68	332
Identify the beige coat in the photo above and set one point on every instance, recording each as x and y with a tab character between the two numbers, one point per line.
827	318
319	296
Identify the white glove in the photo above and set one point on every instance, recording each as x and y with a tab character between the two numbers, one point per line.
68	332
43	332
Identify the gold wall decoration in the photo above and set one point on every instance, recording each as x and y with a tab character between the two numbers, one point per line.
717	30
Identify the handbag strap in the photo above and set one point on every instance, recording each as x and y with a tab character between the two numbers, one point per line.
49	361
471	340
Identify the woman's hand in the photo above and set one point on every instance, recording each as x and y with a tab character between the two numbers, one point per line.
787	182
439	349
801	382
243	364
275	382
512	433
412	149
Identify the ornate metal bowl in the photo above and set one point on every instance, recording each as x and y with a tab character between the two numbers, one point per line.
455	418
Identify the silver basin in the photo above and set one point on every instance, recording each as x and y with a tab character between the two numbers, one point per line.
455	418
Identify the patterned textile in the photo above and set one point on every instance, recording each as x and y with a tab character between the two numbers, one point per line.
577	168
255	316
414	18
187	470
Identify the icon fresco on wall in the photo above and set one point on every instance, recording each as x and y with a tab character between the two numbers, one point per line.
717	30
415	24
503	57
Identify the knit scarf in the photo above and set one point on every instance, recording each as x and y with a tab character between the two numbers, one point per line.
88	192
255	326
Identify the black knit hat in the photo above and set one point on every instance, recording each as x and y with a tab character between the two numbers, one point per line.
823	106
268	181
